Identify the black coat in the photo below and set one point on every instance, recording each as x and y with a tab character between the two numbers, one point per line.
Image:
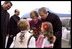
4	24
13	28
57	27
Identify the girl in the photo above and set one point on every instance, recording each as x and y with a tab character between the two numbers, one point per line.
46	39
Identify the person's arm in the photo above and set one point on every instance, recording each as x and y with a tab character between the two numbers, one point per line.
39	42
57	31
52	39
32	43
58	26
16	18
43	44
12	44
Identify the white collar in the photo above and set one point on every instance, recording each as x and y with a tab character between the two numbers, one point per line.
24	31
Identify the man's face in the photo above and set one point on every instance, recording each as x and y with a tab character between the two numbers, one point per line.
7	6
43	15
17	12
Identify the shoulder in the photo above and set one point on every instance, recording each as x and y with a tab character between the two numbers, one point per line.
18	17
30	34
53	14
39	20
31	21
18	34
12	16
32	37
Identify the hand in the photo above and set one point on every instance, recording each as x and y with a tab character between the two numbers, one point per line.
53	39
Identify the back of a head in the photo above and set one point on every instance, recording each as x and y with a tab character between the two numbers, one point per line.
47	26
48	29
23	24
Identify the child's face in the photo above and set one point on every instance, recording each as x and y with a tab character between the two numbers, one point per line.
42	29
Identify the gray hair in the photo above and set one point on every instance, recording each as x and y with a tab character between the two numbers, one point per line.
43	9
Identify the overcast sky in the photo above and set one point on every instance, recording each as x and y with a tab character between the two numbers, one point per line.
63	7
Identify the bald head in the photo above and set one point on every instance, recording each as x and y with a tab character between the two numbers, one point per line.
17	12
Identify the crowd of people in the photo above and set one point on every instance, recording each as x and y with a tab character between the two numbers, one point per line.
44	32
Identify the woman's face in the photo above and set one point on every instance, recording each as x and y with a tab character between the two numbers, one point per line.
35	19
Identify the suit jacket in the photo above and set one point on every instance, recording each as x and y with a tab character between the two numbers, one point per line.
12	25
4	26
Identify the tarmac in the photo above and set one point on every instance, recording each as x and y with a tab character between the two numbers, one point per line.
65	44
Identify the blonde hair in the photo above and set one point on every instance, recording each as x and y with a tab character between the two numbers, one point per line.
23	24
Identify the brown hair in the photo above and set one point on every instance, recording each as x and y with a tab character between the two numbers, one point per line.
35	14
47	26
6	2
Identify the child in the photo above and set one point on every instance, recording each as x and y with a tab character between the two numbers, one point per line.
46	39
23	39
